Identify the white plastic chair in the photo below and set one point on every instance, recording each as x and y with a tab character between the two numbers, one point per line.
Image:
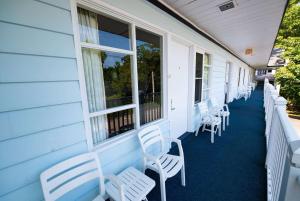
166	165
242	92
72	173
249	90
223	111
208	119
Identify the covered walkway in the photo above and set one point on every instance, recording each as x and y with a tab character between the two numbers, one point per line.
231	169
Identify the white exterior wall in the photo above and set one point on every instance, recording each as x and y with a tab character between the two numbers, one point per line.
156	17
217	78
51	28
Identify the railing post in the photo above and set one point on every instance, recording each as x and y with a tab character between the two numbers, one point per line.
273	103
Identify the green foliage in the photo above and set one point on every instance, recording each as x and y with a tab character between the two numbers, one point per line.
289	40
117	76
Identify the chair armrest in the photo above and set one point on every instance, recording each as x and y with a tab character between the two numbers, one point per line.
215	111
118	184
156	161
178	143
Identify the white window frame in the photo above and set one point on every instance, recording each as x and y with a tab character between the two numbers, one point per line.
105	9
195	78
203	52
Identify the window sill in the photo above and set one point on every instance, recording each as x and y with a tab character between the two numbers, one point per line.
109	143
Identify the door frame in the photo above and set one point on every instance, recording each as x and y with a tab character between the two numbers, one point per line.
190	45
228	74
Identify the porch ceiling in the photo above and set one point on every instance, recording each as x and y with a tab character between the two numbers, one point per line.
250	24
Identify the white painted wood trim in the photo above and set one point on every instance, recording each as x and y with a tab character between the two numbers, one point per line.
191	86
104	8
134	72
106	48
82	85
112	110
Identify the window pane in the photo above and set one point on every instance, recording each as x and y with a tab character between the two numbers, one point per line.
110	125
205	77
198	90
207	59
205	95
149	75
199	63
117	78
108	79
99	29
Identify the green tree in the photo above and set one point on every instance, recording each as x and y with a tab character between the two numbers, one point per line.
288	39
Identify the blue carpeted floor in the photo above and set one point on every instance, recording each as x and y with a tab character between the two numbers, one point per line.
231	169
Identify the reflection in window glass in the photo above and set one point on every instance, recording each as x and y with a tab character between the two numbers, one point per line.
117	78
207	59
198	90
110	125
149	75
108	79
199	61
206	72
111	32
205	77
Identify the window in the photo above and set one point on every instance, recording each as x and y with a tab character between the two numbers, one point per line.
149	75
198	77
206	75
109	64
202	73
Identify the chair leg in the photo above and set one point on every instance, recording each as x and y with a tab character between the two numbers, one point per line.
227	120
197	130
183	174
212	133
203	127
163	189
223	123
144	166
220	128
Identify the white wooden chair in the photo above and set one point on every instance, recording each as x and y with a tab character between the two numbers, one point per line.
208	119
166	165
64	177
223	111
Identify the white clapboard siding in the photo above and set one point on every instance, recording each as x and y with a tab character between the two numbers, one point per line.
40	94
41	116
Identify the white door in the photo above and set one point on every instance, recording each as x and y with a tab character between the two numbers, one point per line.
178	88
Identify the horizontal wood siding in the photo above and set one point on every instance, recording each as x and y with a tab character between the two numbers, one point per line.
41	116
46	69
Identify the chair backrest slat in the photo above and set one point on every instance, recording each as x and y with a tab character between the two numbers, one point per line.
57	181
70	174
149	136
60	191
203	108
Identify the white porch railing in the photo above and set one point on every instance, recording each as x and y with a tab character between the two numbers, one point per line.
283	149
